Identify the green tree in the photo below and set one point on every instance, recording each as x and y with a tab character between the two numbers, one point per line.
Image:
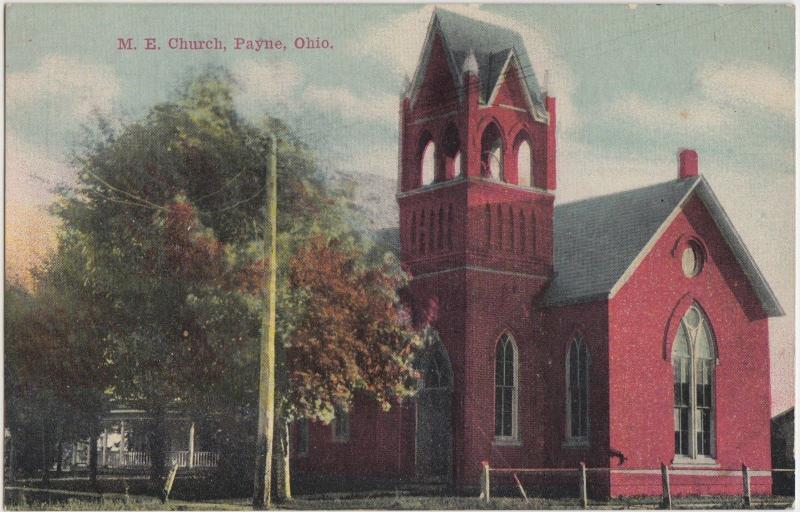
56	376
169	210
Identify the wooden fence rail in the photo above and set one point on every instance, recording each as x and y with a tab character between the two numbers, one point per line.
663	470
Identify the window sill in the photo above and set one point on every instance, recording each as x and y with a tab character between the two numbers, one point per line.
577	442
686	462
506	441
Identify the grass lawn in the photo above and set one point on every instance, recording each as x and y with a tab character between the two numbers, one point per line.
74	495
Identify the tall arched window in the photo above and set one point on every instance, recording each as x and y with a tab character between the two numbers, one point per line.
578	391
492	153
452	154
693	361
524	163
427	161
506	382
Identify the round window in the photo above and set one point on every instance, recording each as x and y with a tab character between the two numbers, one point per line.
692	259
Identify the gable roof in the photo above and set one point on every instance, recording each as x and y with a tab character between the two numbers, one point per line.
599	242
492	46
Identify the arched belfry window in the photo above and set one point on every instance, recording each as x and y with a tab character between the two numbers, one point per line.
577	391
427	160
693	362
451	147
506	382
492	153
524	168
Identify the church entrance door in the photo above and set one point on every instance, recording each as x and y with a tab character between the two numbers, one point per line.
434	441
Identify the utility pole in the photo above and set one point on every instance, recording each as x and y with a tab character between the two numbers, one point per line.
262	482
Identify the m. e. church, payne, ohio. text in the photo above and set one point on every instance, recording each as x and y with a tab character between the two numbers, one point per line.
216	44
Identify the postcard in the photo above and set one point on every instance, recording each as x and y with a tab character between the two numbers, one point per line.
382	256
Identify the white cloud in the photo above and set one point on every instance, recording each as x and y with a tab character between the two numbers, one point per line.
397	44
66	83
382	108
690	116
276	81
754	84
378	159
586	171
727	96
266	86
30	229
30	172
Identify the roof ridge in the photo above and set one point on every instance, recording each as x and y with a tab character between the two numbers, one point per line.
628	191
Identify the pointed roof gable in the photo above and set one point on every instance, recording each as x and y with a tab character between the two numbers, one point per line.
599	242
493	47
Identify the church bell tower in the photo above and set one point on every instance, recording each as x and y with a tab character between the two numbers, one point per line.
477	165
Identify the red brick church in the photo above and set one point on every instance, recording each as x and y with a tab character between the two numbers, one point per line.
623	331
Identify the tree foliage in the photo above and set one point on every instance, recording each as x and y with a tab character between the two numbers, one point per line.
161	262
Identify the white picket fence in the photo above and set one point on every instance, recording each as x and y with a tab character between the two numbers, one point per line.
142	459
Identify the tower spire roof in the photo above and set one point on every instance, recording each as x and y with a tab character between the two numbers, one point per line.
471	43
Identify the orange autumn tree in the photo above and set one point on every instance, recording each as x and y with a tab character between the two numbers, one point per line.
347	331
342	330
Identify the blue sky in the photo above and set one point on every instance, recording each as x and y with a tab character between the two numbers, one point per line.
634	84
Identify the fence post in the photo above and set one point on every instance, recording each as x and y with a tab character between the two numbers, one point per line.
485	483
582	490
666	497
745	486
521	489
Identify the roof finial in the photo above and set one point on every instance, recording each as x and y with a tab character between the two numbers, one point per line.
470	64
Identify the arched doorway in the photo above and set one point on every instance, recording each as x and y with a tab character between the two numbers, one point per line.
434	438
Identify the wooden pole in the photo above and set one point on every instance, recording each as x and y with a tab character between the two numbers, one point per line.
122	443
583	494
190	462
262	484
746	502
105	443
168	483
521	489
485	482
666	496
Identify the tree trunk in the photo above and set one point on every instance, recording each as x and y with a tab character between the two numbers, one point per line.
157	445
280	461
60	452
93	461
12	459
45	455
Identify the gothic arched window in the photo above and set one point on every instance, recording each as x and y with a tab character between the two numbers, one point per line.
523	161
693	361
451	147
492	153
578	391
427	160
506	381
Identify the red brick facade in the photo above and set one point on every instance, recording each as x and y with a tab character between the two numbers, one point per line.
481	253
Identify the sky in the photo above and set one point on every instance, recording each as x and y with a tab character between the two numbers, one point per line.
633	84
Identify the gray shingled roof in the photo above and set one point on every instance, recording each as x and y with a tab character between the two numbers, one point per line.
491	45
597	239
